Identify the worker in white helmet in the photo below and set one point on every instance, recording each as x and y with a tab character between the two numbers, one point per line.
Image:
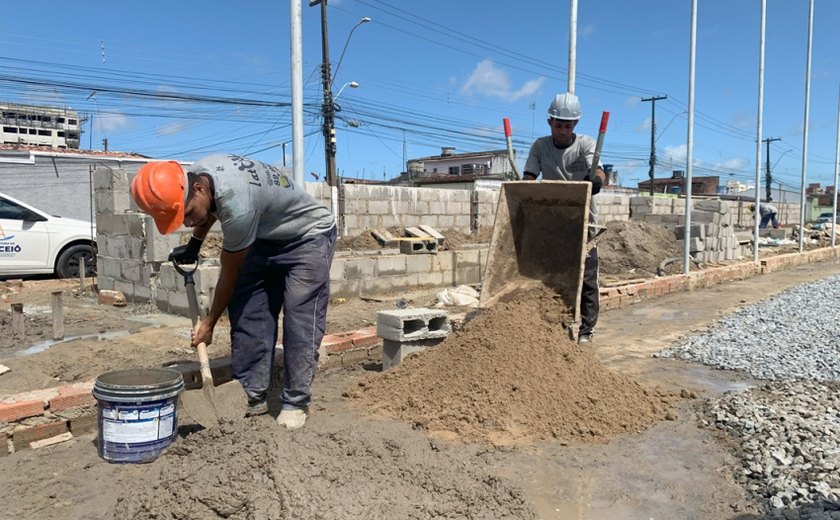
565	155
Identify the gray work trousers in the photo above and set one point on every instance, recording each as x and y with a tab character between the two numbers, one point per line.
293	277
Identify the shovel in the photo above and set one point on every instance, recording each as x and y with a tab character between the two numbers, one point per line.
213	404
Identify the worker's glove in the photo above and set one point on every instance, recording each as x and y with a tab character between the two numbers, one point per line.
597	183
187	253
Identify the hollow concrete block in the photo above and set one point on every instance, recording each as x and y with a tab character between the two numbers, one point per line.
412	324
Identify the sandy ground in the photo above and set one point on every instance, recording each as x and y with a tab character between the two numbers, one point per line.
671	470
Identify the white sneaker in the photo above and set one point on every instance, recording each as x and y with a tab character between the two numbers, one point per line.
292	417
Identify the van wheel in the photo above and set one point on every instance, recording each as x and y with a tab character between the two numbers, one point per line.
71	258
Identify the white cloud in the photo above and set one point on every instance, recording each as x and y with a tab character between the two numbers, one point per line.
588	29
674	154
738	163
172	128
644	127
632	101
489	80
111	121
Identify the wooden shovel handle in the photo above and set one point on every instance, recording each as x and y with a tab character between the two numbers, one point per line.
204	361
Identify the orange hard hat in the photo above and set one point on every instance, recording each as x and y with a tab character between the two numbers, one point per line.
159	189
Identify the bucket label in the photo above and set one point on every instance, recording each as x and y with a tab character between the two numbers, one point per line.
167	424
152	413
128	415
169	409
109	413
130	432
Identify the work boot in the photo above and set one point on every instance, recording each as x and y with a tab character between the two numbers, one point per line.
292	418
256	407
585	338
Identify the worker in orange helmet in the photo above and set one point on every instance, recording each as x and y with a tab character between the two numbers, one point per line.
277	249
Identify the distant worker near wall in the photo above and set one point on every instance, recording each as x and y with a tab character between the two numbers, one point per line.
768	214
565	155
276	253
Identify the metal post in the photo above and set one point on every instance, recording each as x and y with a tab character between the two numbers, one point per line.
57	315
572	44
297	91
652	161
327	107
805	132
836	171
756	216
690	144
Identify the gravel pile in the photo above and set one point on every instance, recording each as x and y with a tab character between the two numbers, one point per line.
789	445
789	336
788	429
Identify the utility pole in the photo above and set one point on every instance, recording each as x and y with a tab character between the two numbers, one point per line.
653	101
768	179
327	106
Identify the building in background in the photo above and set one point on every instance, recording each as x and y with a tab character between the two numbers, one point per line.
492	164
676	184
47	127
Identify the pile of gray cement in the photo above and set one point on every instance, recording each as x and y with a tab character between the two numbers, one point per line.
254	469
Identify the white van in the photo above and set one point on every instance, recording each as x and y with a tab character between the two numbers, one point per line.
35	242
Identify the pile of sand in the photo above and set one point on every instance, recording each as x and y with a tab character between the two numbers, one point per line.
511	374
255	470
635	249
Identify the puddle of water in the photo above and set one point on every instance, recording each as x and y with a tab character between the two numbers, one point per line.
44	345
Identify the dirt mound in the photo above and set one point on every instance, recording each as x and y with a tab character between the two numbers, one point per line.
635	249
509	375
255	470
361	242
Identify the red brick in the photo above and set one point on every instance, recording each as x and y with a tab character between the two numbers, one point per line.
85	423
20	410
363	338
70	397
336	343
115	298
21	438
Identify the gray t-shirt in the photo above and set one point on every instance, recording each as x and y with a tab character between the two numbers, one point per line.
766	209
255	200
571	163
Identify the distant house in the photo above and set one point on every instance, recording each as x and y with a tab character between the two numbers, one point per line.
480	164
676	184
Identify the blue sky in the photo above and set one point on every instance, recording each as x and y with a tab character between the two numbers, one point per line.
185	79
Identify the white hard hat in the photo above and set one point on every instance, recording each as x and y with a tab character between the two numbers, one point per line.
565	106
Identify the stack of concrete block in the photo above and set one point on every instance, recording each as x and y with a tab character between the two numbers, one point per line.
712	236
720	243
406	331
612	207
641	208
129	246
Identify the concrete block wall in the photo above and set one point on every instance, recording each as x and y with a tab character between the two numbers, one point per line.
365	276
713	225
612	207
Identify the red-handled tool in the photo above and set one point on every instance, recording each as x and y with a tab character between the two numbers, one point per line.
510	149
605	117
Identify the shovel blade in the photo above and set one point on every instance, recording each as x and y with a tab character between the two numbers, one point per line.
210	405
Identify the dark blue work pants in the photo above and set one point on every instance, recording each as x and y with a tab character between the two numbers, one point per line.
293	277
590	293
